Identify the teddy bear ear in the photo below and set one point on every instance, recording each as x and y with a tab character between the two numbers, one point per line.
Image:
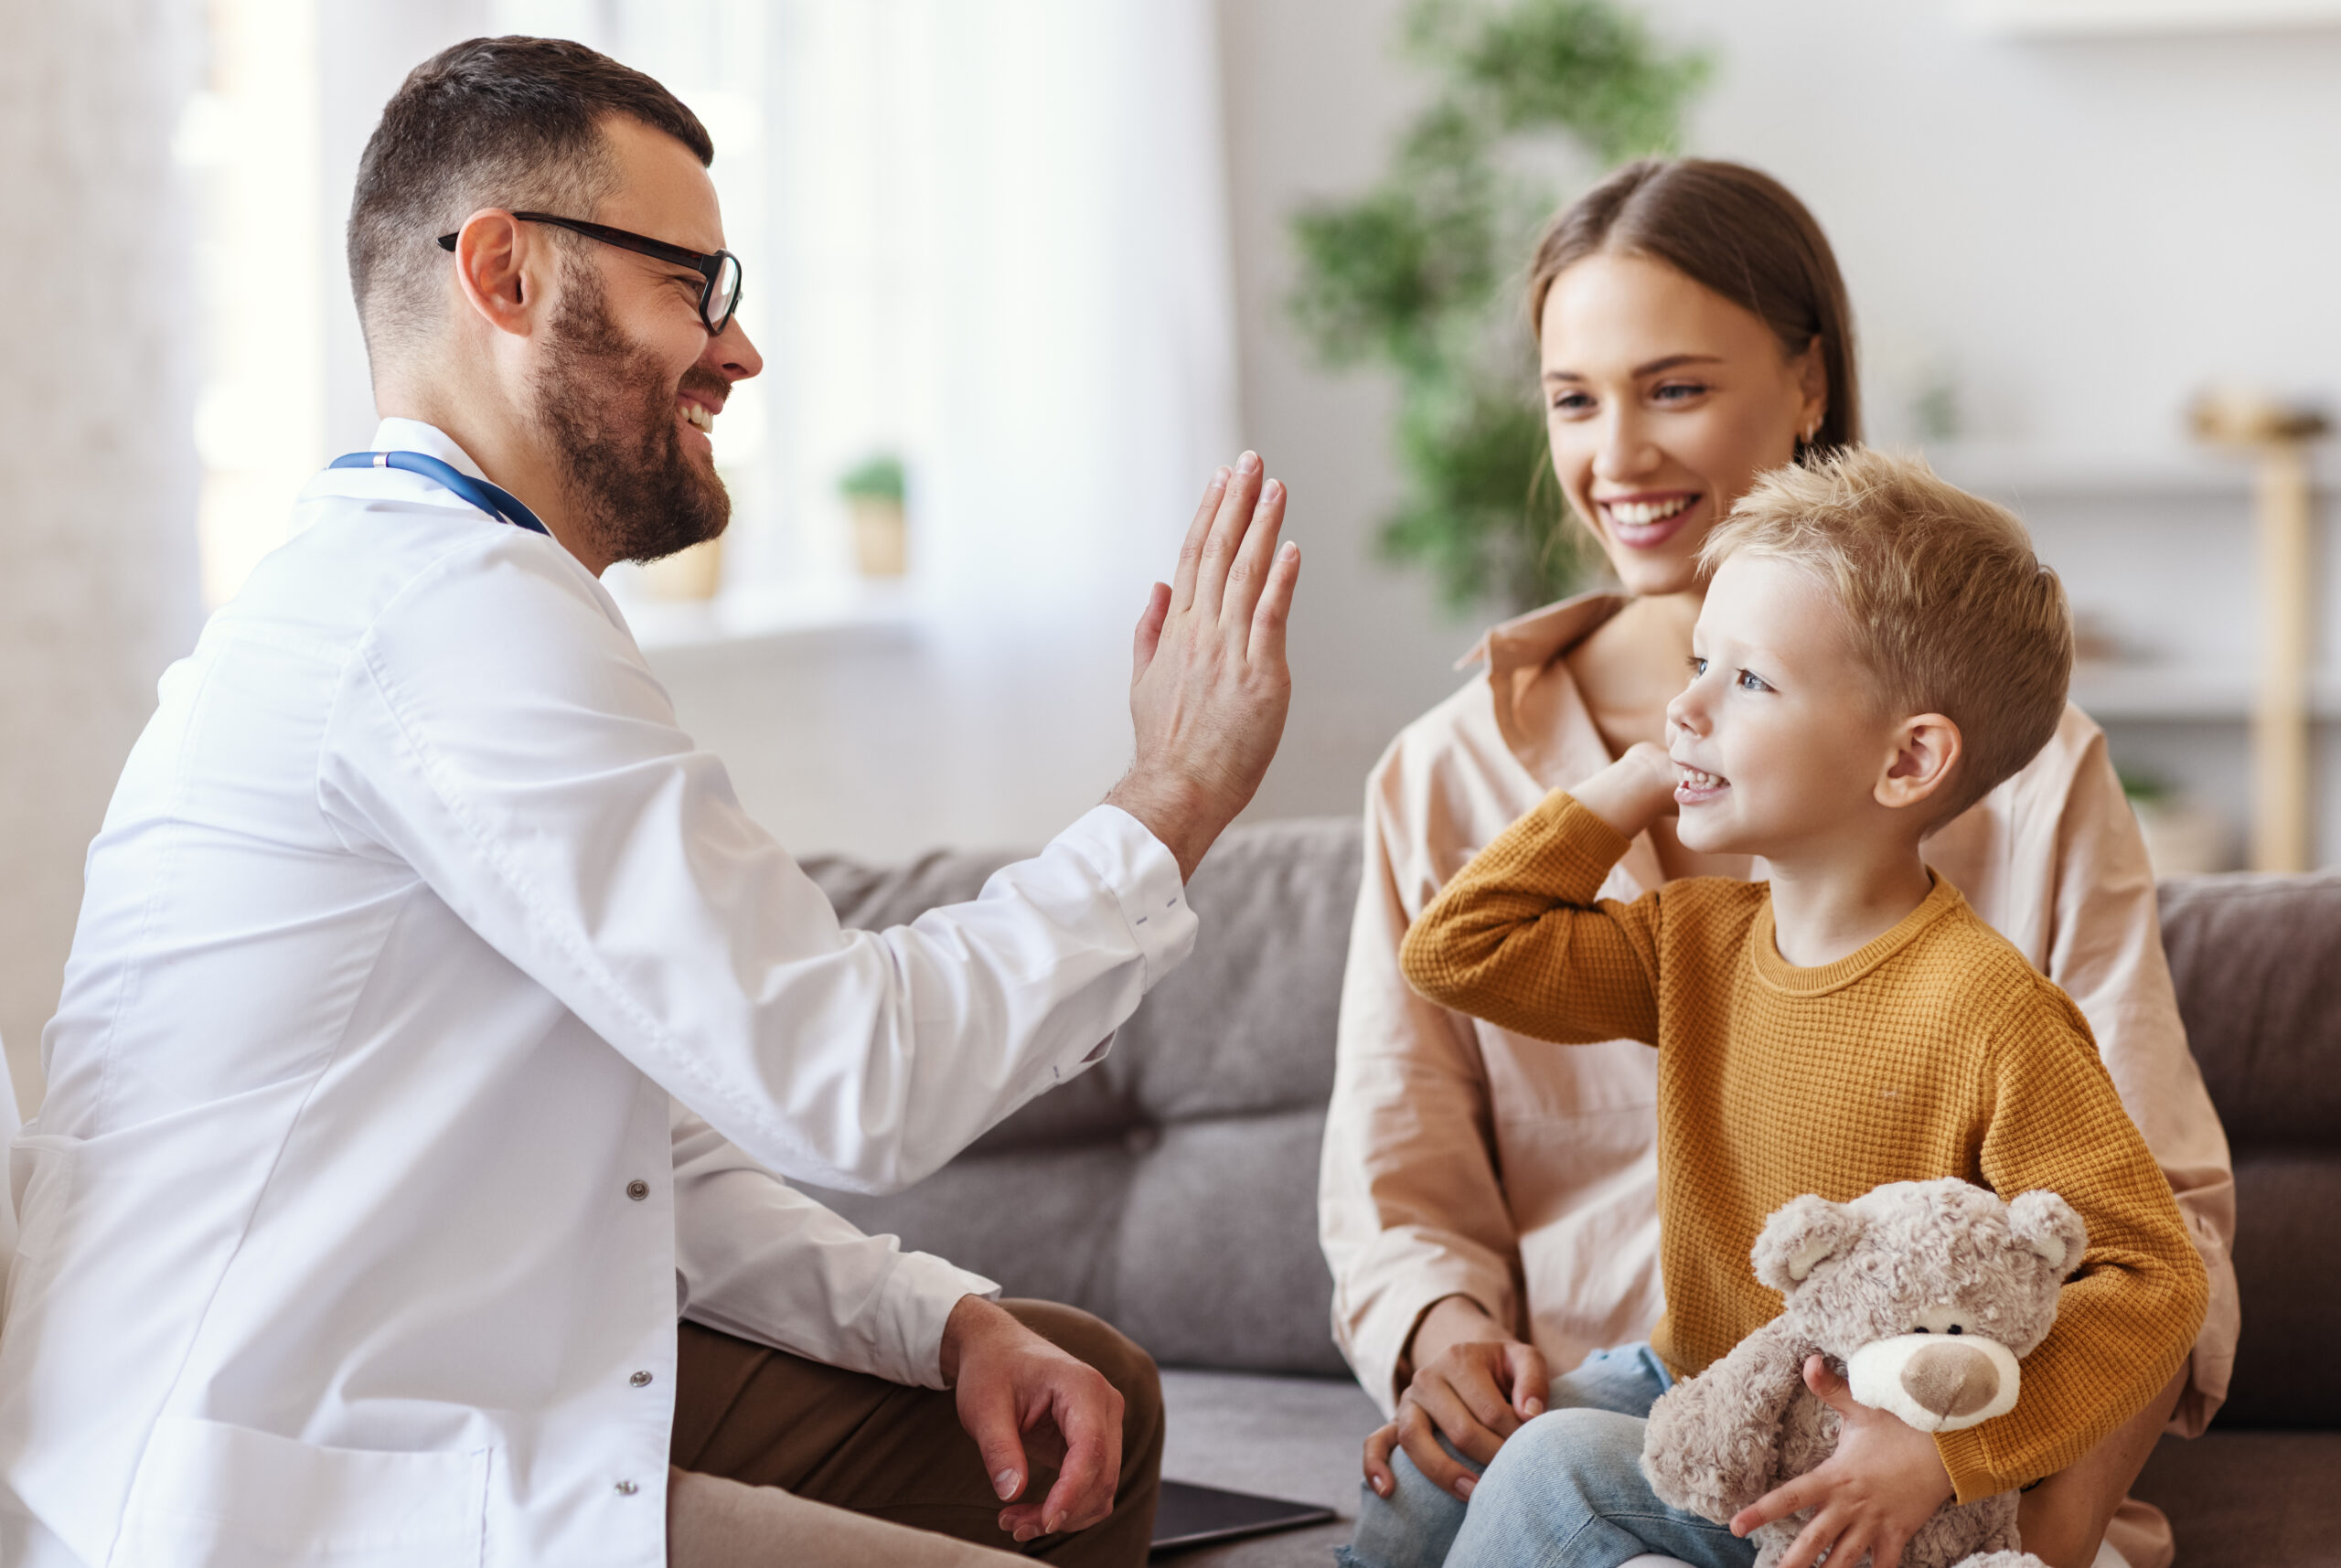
1802	1234
2047	1225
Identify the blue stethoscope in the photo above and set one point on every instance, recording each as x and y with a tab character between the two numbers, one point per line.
492	499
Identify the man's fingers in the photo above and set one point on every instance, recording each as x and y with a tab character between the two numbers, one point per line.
1248	573
1091	1420
989	1416
1274	611
1378	1444
1420	1440
1149	636
1191	552
1530	1382
1227	529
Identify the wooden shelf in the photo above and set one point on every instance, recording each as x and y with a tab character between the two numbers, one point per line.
2005	469
2142	18
2174	694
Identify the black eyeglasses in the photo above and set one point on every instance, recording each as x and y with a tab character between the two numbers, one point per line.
717	301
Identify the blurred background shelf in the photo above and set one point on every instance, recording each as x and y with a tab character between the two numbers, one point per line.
2148	693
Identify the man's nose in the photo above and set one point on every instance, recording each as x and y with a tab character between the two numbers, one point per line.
1952	1380
731	354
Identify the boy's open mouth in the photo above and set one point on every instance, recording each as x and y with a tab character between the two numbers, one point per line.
1697	788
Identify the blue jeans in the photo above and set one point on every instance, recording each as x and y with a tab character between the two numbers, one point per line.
1566	1491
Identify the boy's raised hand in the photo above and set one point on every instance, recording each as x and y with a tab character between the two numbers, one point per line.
1885	1480
1632	792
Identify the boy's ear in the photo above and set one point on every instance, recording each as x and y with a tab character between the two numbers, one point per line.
1926	749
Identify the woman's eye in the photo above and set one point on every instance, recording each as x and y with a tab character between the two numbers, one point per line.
1677	392
1572	403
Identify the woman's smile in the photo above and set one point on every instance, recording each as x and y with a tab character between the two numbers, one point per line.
1646	519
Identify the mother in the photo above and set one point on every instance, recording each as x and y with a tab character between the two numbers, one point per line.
1488	1203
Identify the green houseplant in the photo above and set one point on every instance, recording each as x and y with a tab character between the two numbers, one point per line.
874	491
1419	275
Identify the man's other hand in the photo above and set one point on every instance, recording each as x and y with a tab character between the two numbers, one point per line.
1209	685
1022	1398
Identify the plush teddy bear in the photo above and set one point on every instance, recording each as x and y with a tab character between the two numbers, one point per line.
1926	1292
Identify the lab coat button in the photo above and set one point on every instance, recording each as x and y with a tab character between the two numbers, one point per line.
640	1380
638	1190
627	1489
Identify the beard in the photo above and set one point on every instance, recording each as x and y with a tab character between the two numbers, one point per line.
610	409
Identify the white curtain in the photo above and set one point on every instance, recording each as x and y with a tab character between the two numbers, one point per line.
1072	283
97	458
995	242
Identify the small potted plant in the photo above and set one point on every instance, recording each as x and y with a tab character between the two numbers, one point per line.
873	493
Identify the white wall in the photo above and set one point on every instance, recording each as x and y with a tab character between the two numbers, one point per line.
2079	233
97	458
2086	229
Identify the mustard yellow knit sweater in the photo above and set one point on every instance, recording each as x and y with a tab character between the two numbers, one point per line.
1935	1051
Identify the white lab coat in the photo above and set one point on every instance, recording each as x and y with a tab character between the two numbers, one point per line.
363	1201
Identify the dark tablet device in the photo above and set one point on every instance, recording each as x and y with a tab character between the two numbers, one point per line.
1189	1515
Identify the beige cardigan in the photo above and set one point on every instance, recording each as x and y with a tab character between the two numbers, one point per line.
1461	1160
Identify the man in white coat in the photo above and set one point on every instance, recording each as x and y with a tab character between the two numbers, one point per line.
437	1017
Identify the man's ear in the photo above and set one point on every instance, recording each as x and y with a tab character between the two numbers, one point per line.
499	268
1803	1235
1926	749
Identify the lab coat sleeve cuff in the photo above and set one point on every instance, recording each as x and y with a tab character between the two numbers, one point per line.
1144	879
921	1291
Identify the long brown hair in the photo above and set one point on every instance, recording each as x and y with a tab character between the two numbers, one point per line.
1733	230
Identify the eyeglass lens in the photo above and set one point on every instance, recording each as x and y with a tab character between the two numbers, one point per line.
724	296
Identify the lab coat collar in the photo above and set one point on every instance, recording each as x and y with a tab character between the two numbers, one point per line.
396	435
413	435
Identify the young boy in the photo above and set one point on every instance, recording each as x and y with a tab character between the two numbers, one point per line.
1876	651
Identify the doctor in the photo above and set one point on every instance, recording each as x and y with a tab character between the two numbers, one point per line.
436	1013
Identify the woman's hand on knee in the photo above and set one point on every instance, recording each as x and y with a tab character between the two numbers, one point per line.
1475	1395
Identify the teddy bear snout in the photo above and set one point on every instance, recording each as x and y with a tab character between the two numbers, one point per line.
1951	1380
1935	1382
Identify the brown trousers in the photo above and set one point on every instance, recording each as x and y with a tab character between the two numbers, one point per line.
808	1440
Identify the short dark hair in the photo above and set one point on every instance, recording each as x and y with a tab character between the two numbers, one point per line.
511	121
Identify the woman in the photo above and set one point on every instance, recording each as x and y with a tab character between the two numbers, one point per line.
1488	1202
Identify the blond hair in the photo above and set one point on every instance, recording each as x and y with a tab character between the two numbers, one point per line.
1946	601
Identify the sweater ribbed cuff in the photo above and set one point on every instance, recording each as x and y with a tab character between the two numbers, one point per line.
1971	1471
1578	846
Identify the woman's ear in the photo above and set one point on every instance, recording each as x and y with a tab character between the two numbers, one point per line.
1926	749
1813	382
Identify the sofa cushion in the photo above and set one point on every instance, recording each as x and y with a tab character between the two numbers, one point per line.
1172	1189
2257	961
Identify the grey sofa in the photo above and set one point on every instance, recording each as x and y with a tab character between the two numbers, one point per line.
1172	1191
